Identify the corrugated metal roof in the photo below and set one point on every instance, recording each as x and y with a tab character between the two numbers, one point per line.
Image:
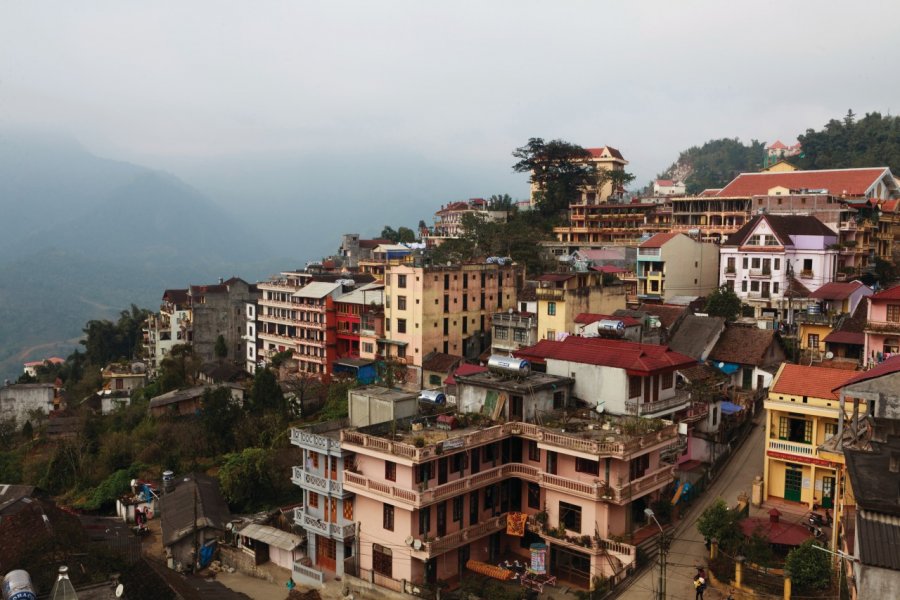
271	536
879	539
317	289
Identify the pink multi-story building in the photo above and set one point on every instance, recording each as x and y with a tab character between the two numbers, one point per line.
433	494
883	326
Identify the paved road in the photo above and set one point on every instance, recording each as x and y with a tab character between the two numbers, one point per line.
687	550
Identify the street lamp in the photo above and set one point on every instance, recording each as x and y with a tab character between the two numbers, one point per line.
663	551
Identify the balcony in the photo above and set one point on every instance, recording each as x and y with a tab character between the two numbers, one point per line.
308	438
308	573
792	447
317	483
463	536
806	274
817	319
695	412
556	294
759	295
640	408
265	335
730	272
882	327
336	531
760	273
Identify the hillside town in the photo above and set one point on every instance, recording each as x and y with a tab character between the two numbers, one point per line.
552	432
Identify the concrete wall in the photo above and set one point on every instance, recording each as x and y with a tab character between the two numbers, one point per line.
18	399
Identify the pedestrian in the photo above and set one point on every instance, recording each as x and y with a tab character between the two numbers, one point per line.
699	587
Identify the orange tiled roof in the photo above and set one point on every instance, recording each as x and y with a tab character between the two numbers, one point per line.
816	382
852	182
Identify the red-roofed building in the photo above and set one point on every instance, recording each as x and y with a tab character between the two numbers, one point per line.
604	158
882	326
624	377
803	411
875	183
671	265
828	306
31	367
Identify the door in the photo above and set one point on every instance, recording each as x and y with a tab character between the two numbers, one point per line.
793	483
747	379
431	571
442	470
828	492
462	559
476	460
325	552
516	410
442	519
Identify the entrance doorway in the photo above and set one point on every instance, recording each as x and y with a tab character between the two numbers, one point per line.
793	484
326	552
828	492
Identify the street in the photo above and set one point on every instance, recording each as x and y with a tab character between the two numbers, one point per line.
688	550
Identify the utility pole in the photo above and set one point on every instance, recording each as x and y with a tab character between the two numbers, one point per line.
664	543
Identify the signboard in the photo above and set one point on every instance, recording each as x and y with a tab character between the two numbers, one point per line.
802	459
454	443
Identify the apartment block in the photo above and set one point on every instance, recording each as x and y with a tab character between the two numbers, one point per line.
430	499
167	328
513	330
561	297
218	310
671	265
444	309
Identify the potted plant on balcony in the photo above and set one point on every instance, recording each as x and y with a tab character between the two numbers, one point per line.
541	519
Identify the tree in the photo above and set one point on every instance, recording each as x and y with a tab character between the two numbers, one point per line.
221	348
391	372
723	302
389	233
219	418
558	169
810	569
405	235
266	394
304	393
246	478
617	179
501	202
850	142
715	163
721	523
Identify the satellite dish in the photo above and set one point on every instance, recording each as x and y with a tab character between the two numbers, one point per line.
229	526
417	544
829	355
409	541
120	589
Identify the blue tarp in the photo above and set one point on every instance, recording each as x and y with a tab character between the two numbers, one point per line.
207	552
727	368
729	408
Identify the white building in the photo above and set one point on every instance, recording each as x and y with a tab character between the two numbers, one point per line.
168	328
775	260
18	400
668	187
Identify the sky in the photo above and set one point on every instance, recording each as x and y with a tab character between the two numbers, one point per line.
455	83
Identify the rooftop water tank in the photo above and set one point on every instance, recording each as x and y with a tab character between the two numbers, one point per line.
611	327
433	396
508	364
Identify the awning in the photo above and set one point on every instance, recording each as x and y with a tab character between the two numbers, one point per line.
271	536
730	408
727	368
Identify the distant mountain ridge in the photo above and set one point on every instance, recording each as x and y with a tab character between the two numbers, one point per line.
83	237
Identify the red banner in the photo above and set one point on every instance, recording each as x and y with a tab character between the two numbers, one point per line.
803	459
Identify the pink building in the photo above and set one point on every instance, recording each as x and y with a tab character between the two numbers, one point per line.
883	326
430	495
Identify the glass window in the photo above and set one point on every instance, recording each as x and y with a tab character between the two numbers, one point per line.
401	325
551	308
390	471
570	516
401	281
584	465
401	302
534	495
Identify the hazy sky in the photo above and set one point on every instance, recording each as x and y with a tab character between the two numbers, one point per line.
452	81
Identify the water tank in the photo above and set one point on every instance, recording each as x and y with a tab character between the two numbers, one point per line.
433	396
168	481
509	364
813	308
611	327
17	586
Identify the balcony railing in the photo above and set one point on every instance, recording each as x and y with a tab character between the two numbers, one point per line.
311	481
638	407
817	318
792	447
760	273
335	531
696	411
464	536
806	274
550	294
308	438
882	327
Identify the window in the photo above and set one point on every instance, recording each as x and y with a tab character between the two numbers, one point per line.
775	287
570	516
744	286
559	400
730	285
551	308
313	500
458	508
551	334
401	281
729	267
754	263
807	266
777	264
459	462
489	497
348	510
382	560
390	471
520	335
534	495
473	508
434	379
501	333
367	347
424	520
634	386
401	325
401	302
668	379
744	262
754	286
795	430
893	312
387	324
638	466
551	462
584	465
755	240
534	453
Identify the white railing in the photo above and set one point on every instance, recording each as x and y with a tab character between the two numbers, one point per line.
313	575
792	447
338	531
311	481
637	407
314	441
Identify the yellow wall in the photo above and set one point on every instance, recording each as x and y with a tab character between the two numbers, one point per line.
807	328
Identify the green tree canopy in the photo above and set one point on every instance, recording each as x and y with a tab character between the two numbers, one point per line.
810	568
247	478
723	302
219	418
221	348
721	523
559	169
266	394
717	162
872	141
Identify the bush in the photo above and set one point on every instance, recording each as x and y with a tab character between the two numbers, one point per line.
810	569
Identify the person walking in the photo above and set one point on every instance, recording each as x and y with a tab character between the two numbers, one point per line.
699	587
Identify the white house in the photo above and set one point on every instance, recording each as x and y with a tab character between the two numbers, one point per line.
20	399
668	187
775	260
618	376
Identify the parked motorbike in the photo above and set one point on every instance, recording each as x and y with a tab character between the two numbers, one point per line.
815	530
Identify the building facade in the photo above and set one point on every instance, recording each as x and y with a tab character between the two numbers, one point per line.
561	297
673	264
882	328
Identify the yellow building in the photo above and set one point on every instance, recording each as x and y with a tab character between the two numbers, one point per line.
444	309
563	296
802	412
